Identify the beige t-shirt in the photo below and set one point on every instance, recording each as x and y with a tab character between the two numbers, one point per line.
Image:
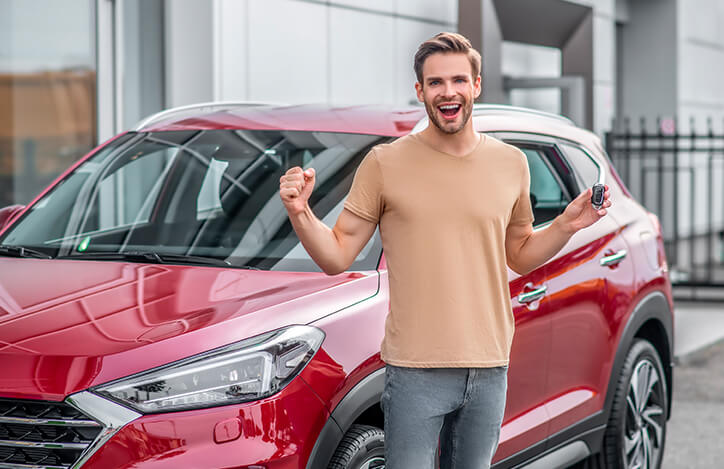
443	220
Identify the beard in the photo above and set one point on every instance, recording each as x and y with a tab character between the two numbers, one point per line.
449	127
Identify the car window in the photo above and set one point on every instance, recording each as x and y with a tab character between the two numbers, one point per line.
127	195
208	203
547	197
583	165
210	193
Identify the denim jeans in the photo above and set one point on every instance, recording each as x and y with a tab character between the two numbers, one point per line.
459	409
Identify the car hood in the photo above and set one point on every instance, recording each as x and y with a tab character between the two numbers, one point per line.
69	325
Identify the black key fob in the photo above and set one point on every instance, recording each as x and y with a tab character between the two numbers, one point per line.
597	195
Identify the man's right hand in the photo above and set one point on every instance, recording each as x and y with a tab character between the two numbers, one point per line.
334	250
295	188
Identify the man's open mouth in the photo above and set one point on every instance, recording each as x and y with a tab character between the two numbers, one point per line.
450	111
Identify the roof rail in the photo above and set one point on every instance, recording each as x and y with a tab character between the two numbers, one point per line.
482	107
154	118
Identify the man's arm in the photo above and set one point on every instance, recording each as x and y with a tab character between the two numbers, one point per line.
333	249
527	249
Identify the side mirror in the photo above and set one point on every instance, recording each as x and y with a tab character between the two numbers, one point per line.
8	213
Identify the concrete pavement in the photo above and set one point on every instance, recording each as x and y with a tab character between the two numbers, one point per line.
695	428
697	325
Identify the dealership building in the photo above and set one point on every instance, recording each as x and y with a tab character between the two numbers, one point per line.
74	73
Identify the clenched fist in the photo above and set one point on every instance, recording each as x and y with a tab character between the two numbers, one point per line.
295	187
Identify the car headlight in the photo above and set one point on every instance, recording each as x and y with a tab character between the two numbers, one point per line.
245	371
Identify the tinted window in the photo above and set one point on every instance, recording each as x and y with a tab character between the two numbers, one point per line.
586	169
201	193
546	196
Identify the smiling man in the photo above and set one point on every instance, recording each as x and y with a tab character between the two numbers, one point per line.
453	209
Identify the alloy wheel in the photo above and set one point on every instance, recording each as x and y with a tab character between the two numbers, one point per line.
644	422
374	463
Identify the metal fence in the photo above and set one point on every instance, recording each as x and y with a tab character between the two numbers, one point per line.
678	175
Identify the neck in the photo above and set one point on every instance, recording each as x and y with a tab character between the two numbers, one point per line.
458	144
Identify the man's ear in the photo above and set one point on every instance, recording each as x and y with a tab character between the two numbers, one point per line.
418	90
478	86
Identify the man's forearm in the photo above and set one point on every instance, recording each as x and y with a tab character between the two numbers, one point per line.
319	240
539	247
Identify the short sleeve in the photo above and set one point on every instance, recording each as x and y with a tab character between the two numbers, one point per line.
522	210
365	195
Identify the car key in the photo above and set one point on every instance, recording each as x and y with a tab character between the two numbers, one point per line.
597	193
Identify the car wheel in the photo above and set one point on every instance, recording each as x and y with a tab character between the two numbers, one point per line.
363	447
636	430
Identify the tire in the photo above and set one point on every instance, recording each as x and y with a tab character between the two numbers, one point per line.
636	430
362	447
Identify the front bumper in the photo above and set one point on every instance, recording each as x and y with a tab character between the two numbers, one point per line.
278	432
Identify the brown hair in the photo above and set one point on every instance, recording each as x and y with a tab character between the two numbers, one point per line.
447	43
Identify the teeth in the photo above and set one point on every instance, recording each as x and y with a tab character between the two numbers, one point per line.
450	106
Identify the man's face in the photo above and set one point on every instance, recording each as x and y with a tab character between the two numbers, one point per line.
448	90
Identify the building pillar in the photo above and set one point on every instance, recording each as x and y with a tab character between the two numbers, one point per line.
478	21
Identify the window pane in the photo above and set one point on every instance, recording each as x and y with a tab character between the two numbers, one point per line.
210	193
582	164
546	196
47	91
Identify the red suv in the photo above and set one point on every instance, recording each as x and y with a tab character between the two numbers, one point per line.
158	311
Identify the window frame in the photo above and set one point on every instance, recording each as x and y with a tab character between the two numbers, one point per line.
547	146
600	179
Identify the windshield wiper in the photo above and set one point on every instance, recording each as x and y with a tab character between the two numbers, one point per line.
188	259
20	251
148	256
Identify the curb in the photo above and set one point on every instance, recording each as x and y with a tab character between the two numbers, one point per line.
700	355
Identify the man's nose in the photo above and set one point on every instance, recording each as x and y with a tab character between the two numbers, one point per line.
448	89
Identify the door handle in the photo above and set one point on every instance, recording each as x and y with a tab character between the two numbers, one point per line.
532	295
613	259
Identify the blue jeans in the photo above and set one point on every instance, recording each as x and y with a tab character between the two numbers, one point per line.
459	409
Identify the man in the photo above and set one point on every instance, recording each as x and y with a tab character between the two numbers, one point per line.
453	208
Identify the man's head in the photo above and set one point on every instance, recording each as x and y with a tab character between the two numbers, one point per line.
448	80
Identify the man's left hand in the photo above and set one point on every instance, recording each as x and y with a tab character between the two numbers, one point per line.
580	212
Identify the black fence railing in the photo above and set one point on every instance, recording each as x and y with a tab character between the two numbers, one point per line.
679	175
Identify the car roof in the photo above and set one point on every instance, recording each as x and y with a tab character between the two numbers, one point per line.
368	119
374	120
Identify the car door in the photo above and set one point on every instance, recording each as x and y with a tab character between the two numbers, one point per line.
526	420
587	282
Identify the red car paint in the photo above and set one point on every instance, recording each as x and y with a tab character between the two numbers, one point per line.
69	325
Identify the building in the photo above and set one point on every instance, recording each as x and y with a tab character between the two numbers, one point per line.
76	72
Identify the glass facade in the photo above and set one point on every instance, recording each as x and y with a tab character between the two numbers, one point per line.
47	91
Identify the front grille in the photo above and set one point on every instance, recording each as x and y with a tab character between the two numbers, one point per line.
37	434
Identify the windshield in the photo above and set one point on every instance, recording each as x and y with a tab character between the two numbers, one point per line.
208	193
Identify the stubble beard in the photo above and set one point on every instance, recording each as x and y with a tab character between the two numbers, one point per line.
467	111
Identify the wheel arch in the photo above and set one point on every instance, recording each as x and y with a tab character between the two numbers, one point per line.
359	405
653	331
651	320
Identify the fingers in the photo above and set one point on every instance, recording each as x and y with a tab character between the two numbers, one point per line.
291	183
294	181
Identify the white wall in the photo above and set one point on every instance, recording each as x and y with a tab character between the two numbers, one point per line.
189	64
700	62
528	61
339	52
699	69
604	81
648	60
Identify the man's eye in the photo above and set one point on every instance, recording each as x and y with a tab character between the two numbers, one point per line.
435	82
461	80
